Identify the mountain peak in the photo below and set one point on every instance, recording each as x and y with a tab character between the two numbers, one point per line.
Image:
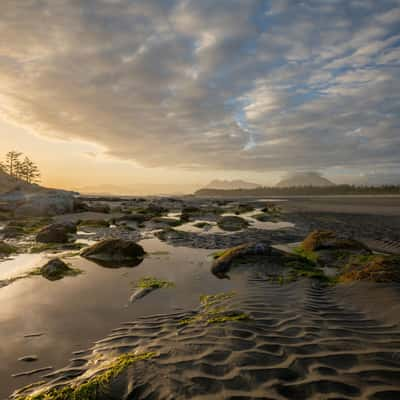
305	179
229	185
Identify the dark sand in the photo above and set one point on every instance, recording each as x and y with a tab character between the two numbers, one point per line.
304	341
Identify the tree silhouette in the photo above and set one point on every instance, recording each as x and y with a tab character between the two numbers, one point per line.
11	163
25	170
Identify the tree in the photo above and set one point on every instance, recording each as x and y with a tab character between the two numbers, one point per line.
11	162
25	170
29	171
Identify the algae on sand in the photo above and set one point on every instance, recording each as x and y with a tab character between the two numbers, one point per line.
214	312
90	388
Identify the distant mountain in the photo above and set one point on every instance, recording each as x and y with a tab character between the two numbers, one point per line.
139	189
302	179
229	185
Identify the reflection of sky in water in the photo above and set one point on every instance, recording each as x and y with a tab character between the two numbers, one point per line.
19	264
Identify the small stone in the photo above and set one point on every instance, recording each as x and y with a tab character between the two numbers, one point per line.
29	358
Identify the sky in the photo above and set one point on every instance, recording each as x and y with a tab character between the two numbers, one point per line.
181	92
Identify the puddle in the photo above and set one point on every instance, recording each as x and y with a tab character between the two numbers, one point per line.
19	264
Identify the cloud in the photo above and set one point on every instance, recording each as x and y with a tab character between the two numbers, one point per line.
233	84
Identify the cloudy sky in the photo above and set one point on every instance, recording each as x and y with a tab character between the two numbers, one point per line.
128	91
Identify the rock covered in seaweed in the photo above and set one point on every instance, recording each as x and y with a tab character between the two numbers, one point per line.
56	233
56	269
376	268
328	240
115	250
223	262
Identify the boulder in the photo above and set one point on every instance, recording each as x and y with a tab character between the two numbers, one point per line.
328	240
56	269
232	223
327	249
223	261
56	233
114	250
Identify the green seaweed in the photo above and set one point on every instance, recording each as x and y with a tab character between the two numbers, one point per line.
90	389
307	254
212	299
221	319
31	225
149	282
39	248
213	312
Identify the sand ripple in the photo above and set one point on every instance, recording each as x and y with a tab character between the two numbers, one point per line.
301	343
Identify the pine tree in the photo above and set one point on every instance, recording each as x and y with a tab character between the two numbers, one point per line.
11	163
29	171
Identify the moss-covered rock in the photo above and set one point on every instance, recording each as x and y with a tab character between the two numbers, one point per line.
126	252
56	269
325	248
374	267
56	233
232	223
224	259
24	226
328	240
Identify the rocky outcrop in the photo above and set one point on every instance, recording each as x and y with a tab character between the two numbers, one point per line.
115	250
56	233
39	203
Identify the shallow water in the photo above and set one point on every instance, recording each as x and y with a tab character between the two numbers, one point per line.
19	264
